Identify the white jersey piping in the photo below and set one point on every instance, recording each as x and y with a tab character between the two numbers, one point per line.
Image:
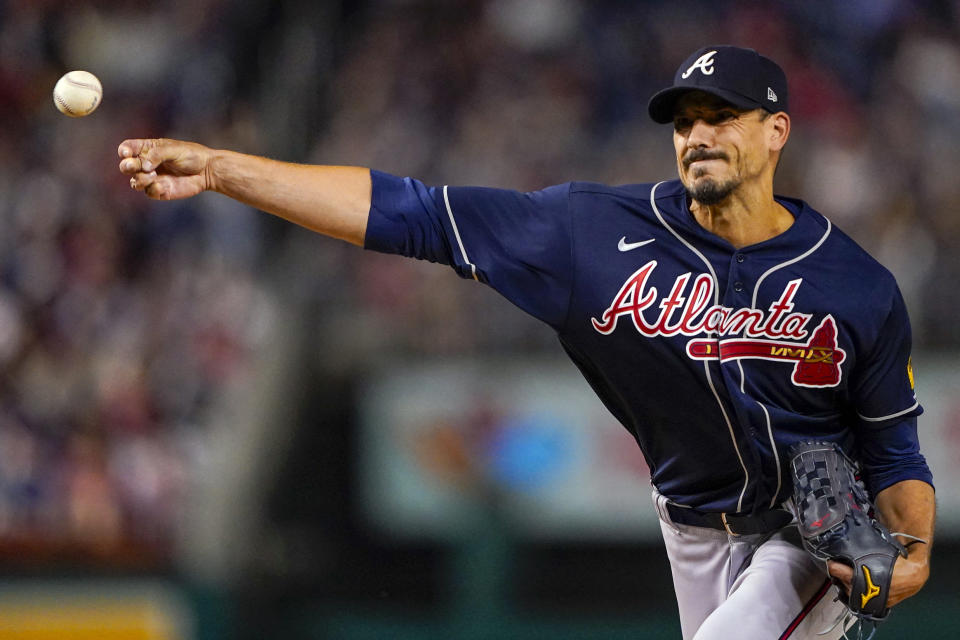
776	456
456	233
753	305
706	363
892	415
756	289
713	274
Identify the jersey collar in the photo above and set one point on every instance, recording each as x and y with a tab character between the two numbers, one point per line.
804	230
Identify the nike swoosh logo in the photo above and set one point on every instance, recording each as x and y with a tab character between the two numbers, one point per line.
623	245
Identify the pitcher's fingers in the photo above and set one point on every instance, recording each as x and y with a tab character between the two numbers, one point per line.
130	166
130	148
160	188
841	572
140	181
151	152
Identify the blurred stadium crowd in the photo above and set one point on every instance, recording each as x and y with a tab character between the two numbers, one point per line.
122	321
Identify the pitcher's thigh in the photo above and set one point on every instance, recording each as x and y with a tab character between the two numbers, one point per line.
783	594
699	562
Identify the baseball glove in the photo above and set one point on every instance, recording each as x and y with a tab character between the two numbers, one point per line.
837	522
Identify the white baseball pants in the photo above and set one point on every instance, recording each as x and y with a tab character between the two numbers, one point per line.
756	587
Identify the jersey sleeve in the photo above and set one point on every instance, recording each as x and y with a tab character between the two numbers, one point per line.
887	407
518	243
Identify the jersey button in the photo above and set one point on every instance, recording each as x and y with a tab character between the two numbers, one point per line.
741	257
738	286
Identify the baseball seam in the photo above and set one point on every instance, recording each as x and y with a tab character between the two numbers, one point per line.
84	85
63	104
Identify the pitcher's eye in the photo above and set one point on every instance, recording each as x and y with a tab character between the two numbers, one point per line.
724	116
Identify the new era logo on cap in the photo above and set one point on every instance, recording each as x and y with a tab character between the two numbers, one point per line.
740	76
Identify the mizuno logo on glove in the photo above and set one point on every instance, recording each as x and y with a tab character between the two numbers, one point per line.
872	589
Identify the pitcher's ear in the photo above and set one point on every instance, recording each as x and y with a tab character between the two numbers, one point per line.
779	128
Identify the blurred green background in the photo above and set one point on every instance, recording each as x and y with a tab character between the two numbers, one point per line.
217	425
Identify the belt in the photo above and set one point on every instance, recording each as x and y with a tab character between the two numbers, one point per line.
736	524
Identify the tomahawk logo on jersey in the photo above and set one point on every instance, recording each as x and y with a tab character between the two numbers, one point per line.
715	358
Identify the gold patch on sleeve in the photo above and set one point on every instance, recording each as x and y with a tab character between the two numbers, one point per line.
910	371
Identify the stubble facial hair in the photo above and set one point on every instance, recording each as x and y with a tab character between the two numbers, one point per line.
709	192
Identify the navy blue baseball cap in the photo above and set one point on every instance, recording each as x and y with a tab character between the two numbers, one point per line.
742	77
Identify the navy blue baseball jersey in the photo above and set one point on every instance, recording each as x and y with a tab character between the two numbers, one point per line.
715	358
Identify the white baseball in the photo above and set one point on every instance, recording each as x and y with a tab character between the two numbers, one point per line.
77	93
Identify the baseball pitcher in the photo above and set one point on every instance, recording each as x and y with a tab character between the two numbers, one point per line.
759	357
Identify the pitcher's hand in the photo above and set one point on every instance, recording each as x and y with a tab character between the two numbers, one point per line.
908	577
166	169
